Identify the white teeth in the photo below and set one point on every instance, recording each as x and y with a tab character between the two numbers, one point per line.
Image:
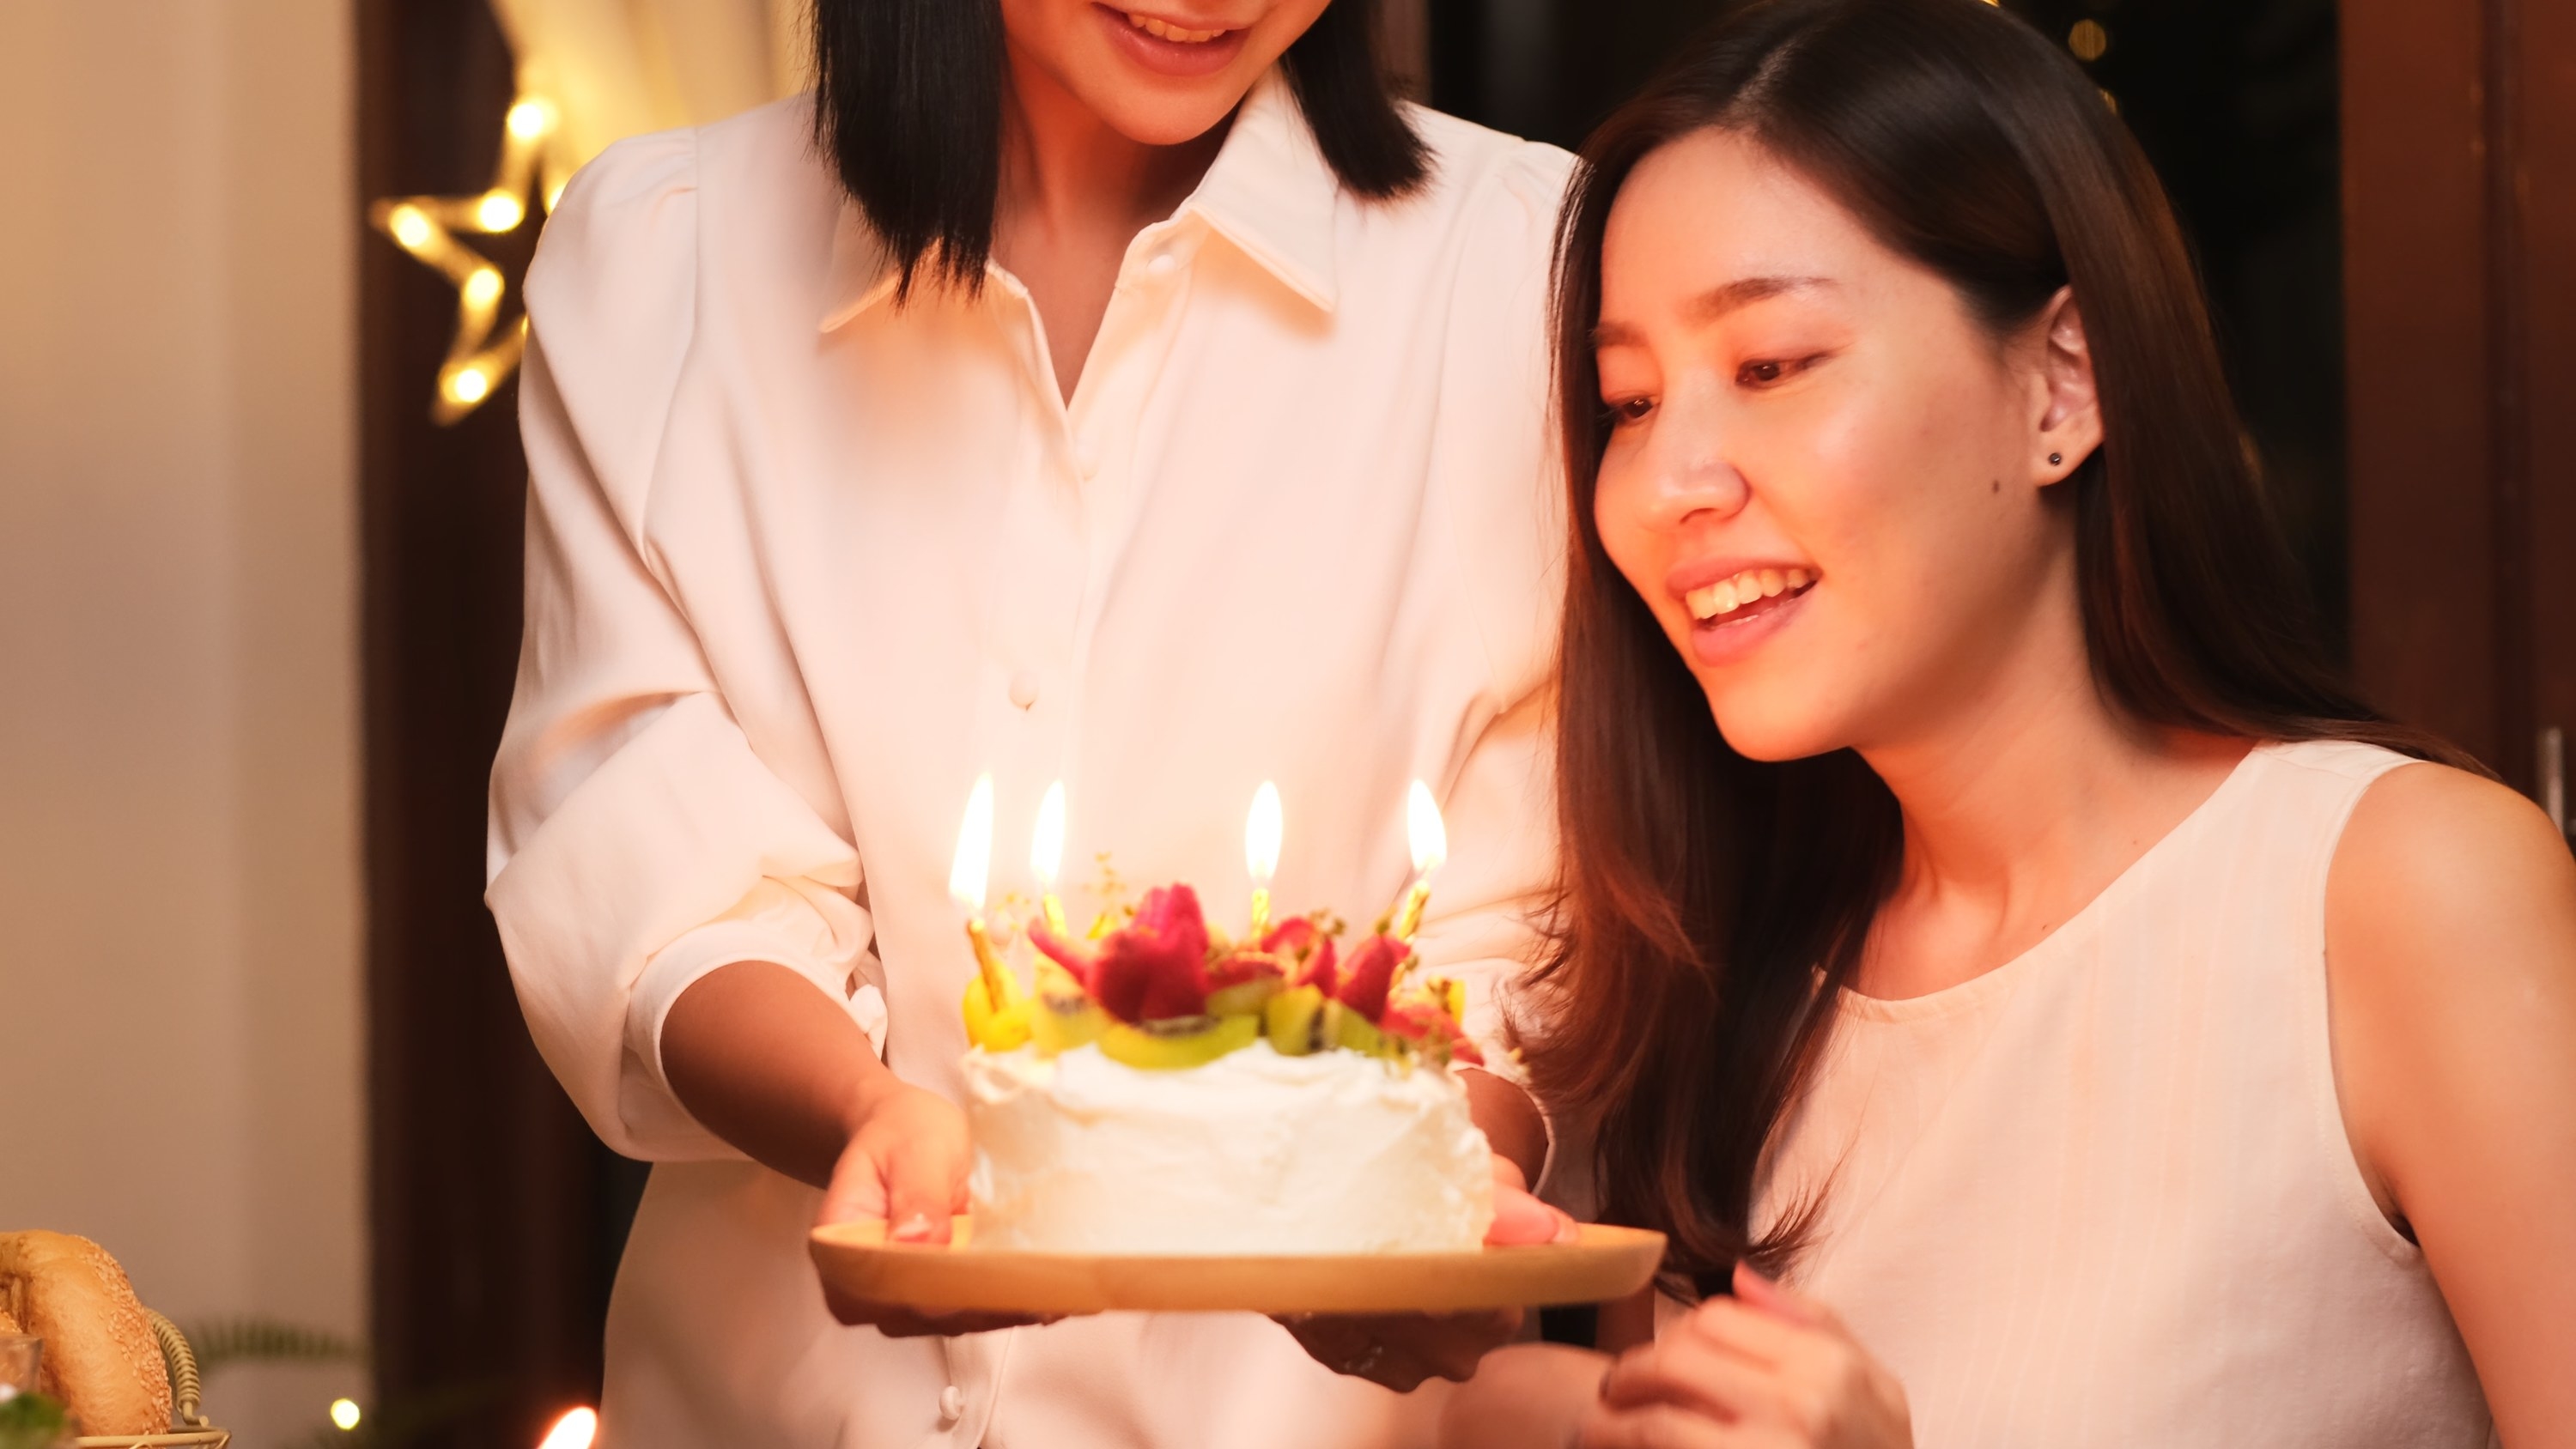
1165	30
1728	595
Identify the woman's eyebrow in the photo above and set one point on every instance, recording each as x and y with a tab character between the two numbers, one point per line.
1715	303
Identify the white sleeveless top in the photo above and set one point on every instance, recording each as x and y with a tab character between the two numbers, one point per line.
2102	1195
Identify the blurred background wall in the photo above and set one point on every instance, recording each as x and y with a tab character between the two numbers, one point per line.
179	885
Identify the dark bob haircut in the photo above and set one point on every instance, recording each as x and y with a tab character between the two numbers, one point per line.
908	107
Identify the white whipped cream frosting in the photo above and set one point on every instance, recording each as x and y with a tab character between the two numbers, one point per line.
1252	1153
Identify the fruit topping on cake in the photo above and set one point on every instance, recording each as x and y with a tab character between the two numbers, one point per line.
1164	992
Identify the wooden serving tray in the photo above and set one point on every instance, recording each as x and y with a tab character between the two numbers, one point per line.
1603	1264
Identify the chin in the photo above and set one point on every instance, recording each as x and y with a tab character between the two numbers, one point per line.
1773	731
1158	113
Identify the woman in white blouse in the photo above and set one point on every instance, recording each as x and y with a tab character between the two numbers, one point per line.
1138	399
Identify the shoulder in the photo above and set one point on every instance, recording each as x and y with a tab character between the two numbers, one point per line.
2434	849
2450	932
1486	176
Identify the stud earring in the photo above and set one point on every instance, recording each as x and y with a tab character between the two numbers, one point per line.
2056	458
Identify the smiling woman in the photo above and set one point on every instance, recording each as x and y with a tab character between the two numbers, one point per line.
913	97
1984	908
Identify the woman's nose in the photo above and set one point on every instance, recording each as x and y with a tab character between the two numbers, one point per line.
1689	472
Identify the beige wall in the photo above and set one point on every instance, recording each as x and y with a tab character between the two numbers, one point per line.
179	909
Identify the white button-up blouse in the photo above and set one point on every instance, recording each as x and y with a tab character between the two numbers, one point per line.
803	561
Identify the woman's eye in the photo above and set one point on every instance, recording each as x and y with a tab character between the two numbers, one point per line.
1630	410
1766	371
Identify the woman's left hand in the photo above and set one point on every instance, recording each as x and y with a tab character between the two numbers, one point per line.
1766	1368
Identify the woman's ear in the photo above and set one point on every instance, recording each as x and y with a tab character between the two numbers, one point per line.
2070	417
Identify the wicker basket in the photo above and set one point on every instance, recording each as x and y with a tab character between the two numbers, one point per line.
192	1429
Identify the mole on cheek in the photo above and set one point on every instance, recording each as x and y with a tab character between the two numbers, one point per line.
1996	487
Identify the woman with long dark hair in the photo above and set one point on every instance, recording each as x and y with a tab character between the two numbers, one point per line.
2042	1005
1137	397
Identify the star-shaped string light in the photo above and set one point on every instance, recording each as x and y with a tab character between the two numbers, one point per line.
428	227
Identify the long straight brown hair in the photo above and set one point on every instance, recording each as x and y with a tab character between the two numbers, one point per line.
1711	906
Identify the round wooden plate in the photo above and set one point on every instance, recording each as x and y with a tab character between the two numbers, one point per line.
1605	1263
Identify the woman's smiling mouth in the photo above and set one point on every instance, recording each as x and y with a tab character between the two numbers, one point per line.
1747	594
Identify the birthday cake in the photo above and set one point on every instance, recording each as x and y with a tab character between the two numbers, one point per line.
1163	1090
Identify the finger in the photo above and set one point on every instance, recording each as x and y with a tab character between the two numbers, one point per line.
1693	1373
1756	1333
1766	1294
921	1190
1655	1426
856	1192
1521	1219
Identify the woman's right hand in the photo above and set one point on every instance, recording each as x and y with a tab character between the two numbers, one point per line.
906	1163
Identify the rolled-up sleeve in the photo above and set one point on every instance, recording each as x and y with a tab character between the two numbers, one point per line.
637	839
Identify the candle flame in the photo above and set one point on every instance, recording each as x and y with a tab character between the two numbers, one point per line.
575	1430
1430	834
974	861
1261	832
1046	844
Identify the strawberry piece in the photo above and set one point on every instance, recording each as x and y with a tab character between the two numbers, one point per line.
1321	970
1371	973
1432	1031
1155	967
1075	956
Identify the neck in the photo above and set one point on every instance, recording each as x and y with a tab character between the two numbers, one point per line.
2023	797
1068	176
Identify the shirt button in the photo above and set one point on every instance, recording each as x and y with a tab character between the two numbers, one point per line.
1163	265
1086	457
952	1404
1024	688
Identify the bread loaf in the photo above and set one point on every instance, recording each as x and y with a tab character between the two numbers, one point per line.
100	1359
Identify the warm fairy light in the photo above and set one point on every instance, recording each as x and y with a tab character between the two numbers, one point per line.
575	1430
1046	843
554	194
436	230
529	118
344	1413
410	227
1428	832
1261	832
2088	40
974	862
499	211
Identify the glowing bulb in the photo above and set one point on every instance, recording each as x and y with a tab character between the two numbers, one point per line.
470	385
554	194
574	1430
483	288
1430	834
2088	40
1046	844
528	119
344	1413
1261	832
966	876
411	228
499	211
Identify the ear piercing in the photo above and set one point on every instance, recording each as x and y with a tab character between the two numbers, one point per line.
2056	458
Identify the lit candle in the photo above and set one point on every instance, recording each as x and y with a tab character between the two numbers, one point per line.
1046	857
966	879
1261	832
1430	839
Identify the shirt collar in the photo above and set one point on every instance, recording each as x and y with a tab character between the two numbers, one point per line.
1269	192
